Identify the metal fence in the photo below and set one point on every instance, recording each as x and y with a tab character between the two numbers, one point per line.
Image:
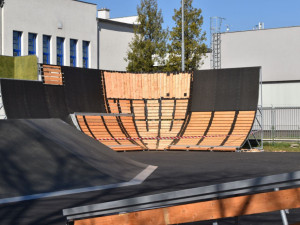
279	124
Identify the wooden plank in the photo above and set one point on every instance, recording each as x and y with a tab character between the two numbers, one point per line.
178	88
133	86
144	85
52	70
107	84
56	74
121	80
59	79
182	84
139	88
53	83
140	96
51	66
157	85
116	87
127	85
152	94
52	77
164	83
171	85
113	93
168	85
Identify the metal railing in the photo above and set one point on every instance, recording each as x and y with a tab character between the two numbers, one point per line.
279	124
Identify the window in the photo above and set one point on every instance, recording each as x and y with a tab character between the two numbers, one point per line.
17	35
46	49
60	51
73	45
85	54
31	44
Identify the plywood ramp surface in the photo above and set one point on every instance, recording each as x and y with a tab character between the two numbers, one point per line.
155	119
113	131
220	131
241	128
52	75
147	86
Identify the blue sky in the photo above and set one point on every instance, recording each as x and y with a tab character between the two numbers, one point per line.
239	14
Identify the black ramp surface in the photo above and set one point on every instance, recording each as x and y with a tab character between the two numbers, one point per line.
225	89
56	101
24	99
83	90
47	155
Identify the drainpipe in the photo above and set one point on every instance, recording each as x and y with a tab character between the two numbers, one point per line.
98	44
1	26
182	36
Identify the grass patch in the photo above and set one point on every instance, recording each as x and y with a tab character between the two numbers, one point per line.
281	147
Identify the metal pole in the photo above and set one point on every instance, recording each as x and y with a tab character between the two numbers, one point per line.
98	44
262	111
182	38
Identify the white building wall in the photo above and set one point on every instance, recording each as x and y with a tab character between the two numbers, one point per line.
114	41
43	17
281	95
277	51
205	62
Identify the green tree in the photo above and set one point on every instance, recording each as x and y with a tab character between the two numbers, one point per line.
193	39
149	43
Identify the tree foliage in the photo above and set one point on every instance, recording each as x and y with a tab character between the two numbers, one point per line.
149	43
193	38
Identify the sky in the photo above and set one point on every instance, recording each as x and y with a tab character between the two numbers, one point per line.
239	14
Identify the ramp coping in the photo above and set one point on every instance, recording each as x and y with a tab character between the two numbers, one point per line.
102	114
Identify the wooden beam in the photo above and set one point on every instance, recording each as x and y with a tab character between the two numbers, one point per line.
209	210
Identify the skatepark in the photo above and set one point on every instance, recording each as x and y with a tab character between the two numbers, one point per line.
87	146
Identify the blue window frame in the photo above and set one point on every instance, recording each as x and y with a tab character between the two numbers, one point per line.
73	46
17	35
85	54
31	44
46	49
60	51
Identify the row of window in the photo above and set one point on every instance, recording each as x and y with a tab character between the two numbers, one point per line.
60	41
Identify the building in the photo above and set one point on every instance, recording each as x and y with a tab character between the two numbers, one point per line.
63	32
59	32
114	38
276	50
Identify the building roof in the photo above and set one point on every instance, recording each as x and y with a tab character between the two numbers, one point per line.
265	29
84	2
115	22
